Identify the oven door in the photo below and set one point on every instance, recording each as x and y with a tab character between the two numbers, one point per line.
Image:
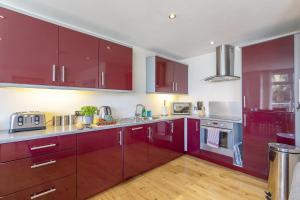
225	142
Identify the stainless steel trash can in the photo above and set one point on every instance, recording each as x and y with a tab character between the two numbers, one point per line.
282	161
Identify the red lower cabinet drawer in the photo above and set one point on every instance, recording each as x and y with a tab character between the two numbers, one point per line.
61	189
21	174
37	147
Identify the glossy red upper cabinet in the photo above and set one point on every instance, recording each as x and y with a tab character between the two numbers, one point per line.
99	161
115	66
268	98
28	49
166	76
135	150
193	136
180	78
78	59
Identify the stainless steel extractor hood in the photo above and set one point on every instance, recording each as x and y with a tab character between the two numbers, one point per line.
225	64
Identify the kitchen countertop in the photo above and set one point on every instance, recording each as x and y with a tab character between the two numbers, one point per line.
6	137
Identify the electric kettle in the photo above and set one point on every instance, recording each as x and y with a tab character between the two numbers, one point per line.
104	111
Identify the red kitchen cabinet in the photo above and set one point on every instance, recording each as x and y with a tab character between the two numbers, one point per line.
78	59
193	136
64	188
115	66
24	173
177	130
180	78
135	150
160	145
268	98
24	149
99	161
166	76
28	49
166	141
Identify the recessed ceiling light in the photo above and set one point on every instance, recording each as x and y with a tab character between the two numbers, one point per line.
172	16
212	42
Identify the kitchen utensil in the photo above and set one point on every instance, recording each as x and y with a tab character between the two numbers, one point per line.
103	111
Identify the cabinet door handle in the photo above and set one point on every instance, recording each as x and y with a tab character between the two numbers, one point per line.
196	126
245	120
149	133
63	74
173	86
172	127
244	101
137	128
42	147
120	138
43	164
53	73
176	87
35	196
102	79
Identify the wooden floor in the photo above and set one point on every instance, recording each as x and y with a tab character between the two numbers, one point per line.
188	178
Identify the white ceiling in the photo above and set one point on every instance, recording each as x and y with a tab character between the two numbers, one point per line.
145	23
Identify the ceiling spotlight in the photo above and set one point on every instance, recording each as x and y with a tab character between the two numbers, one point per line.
212	42
172	16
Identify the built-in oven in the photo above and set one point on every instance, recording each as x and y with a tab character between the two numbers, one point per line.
229	138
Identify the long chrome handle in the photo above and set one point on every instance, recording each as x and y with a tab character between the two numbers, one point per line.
63	74
120	138
245	120
149	133
196	126
176	86
244	101
35	196
137	128
173	86
53	73
172	127
42	147
220	129
43	164
102	79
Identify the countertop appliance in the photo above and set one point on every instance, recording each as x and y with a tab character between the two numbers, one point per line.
181	108
225	64
27	121
104	111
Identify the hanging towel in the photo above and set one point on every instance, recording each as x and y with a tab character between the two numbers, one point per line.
213	137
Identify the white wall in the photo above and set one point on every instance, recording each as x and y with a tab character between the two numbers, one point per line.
54	101
204	66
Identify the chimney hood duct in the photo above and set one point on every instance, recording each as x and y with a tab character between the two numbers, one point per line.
225	64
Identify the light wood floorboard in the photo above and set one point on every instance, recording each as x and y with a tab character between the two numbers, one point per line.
188	178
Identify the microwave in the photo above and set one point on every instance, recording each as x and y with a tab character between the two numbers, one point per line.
181	108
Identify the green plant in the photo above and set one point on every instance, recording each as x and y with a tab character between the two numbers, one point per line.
88	110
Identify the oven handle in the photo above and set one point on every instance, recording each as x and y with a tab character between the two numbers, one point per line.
221	129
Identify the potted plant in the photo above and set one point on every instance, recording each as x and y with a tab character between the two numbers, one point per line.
88	113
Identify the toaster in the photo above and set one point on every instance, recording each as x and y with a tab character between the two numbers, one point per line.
27	121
